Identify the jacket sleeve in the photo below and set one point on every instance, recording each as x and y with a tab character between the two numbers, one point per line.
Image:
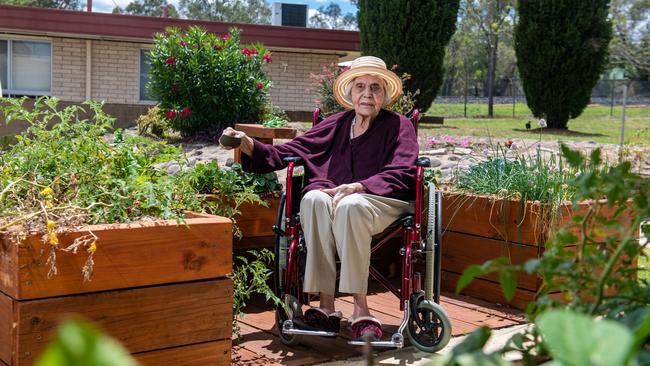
268	158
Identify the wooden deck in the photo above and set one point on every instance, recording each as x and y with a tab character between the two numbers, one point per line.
260	344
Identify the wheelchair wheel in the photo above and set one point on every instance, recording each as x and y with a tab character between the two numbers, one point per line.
428	328
294	310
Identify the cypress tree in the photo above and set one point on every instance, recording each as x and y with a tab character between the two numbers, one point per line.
561	48
412	35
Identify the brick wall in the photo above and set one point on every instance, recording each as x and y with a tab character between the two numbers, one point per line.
69	69
289	71
116	73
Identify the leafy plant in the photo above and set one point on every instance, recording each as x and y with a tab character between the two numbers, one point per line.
152	123
526	178
590	266
251	277
79	343
69	175
207	83
275	122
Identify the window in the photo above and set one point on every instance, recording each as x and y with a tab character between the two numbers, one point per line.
144	75
25	67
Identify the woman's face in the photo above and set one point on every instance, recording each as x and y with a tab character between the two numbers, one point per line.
367	95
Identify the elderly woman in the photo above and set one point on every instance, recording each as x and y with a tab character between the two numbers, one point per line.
359	168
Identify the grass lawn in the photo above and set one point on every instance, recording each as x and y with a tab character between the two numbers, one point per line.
594	124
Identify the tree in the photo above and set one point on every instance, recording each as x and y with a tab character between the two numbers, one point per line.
331	17
241	11
148	7
561	48
492	19
56	4
411	34
630	46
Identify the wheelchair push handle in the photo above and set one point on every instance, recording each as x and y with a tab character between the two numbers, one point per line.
292	159
423	162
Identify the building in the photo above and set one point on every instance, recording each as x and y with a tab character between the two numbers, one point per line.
76	56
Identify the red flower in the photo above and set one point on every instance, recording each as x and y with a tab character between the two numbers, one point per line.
183	43
171	114
246	51
508	143
167	34
260	86
254	51
268	58
170	61
185	112
217	47
225	37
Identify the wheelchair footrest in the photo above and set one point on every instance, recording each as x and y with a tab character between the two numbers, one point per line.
396	341
299	327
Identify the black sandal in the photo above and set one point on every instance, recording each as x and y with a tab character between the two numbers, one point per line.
318	318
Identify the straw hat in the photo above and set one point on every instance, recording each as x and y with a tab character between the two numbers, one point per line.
367	65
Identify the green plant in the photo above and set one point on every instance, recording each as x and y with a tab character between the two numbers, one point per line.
72	174
251	277
561	49
423	28
275	122
207	83
591	263
79	343
152	123
324	84
526	178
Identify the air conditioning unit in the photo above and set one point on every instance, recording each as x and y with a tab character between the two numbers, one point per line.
294	15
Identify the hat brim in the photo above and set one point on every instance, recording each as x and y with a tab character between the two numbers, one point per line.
393	83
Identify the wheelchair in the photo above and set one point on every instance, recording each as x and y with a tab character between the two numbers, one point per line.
426	323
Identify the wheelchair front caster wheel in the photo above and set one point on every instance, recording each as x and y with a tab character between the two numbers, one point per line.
428	328
295	311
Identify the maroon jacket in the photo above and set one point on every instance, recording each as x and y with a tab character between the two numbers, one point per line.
382	159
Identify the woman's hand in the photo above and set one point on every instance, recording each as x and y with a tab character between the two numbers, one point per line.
246	146
343	190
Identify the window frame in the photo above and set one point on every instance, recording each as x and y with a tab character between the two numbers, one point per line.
6	90
140	86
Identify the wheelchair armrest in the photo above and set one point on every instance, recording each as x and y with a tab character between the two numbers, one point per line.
424	162
294	159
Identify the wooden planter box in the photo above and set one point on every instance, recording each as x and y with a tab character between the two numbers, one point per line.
160	288
477	229
256	223
263	134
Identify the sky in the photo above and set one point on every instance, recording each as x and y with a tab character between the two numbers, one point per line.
106	6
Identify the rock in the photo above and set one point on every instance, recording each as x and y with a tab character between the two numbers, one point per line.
173	168
230	162
435	163
197	153
462	151
441	151
453	158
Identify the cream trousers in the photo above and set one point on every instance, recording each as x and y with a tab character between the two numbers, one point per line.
347	231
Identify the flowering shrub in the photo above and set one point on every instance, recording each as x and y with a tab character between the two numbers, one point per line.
324	83
207	83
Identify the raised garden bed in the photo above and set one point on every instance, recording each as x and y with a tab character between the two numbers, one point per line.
160	288
477	229
264	134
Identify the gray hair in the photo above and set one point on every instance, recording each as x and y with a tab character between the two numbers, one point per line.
348	90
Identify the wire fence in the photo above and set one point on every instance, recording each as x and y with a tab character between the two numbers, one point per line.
510	100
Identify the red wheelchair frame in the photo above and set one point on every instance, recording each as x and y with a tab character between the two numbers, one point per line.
425	321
